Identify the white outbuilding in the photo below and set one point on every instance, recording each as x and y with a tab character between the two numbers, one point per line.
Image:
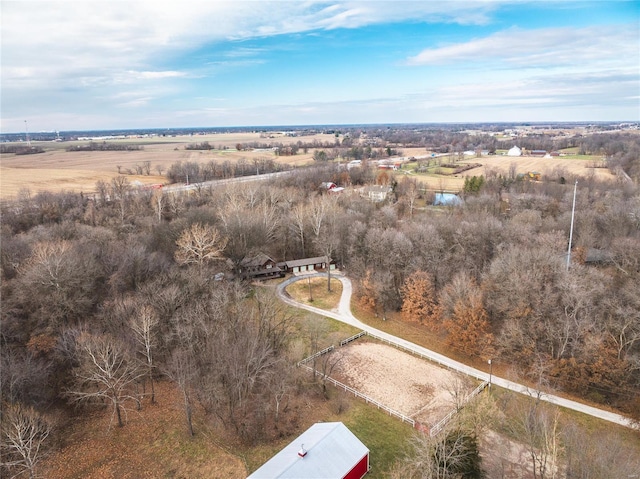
515	151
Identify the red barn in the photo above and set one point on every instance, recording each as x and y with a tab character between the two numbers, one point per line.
327	450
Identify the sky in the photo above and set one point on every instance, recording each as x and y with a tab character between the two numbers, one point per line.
91	64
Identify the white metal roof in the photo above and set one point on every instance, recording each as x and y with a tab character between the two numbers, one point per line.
332	451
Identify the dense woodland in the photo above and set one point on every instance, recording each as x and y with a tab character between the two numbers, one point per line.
103	296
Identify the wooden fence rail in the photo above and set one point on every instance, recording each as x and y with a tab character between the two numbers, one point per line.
367	399
435	429
313	356
352	338
417	353
439	426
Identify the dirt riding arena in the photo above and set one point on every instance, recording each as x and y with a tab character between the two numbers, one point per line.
410	385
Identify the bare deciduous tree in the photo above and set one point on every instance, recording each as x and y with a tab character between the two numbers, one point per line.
181	367
24	436
200	244
144	325
105	372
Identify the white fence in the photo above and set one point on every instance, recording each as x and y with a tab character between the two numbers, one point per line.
435	429
439	426
352	338
313	356
415	353
367	399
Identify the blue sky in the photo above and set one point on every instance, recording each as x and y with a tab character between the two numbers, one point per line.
152	64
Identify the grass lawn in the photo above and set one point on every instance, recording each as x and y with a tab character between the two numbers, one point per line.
313	291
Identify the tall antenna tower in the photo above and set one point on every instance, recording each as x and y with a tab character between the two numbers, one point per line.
26	129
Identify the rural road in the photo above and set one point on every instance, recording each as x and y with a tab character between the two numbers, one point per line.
238	179
344	315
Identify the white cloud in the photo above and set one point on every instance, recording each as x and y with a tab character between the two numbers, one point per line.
541	47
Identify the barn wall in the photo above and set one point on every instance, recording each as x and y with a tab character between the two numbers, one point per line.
360	469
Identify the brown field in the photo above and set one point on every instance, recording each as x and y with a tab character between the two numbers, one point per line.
399	380
59	170
546	166
501	164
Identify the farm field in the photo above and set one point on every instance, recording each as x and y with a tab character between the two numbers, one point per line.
524	164
501	165
57	169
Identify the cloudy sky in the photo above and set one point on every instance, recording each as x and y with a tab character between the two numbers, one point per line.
167	63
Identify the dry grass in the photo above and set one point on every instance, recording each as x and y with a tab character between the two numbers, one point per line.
316	288
154	443
524	164
500	164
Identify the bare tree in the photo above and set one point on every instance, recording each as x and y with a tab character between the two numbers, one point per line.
299	223
200	244
24	436
181	367
144	325
120	191
157	199
105	373
540	431
451	455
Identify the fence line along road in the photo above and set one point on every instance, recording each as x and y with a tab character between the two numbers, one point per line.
344	315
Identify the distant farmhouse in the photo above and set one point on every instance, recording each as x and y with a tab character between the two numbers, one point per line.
375	193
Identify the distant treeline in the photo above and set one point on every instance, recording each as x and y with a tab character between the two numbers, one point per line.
205	145
104	146
192	172
21	149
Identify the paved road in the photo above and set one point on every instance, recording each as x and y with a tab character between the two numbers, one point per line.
226	181
344	315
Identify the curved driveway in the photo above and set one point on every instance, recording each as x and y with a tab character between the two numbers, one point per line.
343	314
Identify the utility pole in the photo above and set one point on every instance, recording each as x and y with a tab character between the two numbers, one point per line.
573	211
490	373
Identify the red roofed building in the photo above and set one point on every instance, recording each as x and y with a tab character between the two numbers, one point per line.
327	450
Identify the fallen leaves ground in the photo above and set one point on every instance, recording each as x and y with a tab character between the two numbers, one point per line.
153	444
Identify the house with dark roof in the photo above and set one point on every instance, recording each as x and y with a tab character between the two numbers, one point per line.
326	450
259	266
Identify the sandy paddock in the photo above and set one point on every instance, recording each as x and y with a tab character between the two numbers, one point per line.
399	380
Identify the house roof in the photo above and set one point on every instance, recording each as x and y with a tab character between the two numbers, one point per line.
332	451
306	261
257	260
